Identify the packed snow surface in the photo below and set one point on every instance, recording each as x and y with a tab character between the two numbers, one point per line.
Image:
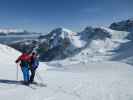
83	81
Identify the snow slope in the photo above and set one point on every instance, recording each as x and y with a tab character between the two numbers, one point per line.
8	54
7	58
89	81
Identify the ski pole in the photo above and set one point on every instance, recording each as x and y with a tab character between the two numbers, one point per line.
39	77
17	72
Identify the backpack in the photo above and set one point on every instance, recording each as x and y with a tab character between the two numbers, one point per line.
34	63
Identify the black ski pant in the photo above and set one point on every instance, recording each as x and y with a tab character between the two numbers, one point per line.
32	75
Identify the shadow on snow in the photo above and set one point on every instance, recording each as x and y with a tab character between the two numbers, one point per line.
4	81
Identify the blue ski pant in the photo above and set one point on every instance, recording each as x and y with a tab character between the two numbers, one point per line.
25	71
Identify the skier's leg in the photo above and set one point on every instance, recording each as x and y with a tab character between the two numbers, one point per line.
32	75
22	68
25	75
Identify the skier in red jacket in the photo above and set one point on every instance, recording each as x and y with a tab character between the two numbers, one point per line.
24	60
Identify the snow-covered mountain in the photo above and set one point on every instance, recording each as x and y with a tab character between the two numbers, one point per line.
90	33
102	44
63	43
8	31
58	44
94	44
91	44
125	25
71	39
8	36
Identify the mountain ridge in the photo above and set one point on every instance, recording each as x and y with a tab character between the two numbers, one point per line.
62	43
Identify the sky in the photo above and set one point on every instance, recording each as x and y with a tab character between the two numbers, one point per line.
45	15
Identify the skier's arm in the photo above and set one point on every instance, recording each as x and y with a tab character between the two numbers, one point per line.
19	58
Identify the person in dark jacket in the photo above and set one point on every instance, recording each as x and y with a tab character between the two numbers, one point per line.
24	60
34	63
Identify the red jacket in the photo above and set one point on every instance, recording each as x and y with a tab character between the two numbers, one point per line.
23	57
